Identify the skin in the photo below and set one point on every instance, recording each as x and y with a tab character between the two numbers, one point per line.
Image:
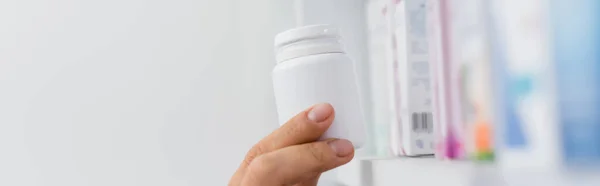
293	155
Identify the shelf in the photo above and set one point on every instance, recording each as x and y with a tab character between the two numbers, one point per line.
428	171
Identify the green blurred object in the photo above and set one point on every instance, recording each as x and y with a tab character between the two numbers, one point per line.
485	156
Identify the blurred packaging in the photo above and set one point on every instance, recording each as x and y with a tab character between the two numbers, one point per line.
470	55
547	73
379	49
524	79
449	129
433	25
413	134
575	50
396	131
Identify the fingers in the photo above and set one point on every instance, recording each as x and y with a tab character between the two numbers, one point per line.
305	127
310	182
298	163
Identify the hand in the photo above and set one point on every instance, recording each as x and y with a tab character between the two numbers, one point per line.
291	155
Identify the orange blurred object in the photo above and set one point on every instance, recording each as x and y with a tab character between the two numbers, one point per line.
483	137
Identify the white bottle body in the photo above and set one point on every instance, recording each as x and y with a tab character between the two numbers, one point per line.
321	78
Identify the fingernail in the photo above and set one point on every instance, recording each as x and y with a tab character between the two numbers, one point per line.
320	112
341	147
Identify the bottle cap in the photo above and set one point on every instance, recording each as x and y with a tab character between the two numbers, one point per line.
307	40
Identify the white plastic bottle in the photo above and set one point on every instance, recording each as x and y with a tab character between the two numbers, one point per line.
312	68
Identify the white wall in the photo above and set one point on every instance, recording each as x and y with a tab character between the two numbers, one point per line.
134	92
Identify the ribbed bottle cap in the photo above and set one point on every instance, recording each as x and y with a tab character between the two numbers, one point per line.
307	40
305	33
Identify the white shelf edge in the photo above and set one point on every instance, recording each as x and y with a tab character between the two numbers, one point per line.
424	171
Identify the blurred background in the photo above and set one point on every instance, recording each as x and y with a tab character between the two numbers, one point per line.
157	92
141	92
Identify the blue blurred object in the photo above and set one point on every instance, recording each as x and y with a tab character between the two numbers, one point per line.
576	49
519	88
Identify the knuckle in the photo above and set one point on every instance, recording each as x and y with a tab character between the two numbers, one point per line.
253	153
317	152
260	167
292	129
248	160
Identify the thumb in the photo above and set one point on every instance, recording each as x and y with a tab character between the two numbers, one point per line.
298	163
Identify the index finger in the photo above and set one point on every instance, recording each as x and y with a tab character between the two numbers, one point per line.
305	127
295	164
